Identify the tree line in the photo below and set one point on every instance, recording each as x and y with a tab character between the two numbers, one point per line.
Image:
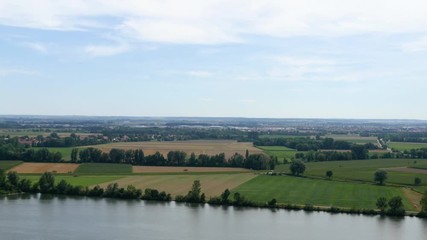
309	144
53	140
11	149
173	158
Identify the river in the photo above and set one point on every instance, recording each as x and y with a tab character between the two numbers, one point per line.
38	217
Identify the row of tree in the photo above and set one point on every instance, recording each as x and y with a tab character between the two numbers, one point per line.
173	158
11	149
53	140
310	144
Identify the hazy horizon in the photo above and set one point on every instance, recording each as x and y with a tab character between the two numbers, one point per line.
271	59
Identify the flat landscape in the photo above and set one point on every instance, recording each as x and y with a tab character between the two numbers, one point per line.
209	147
280	152
6	165
297	190
212	184
28	167
353	138
103	168
402	146
155	169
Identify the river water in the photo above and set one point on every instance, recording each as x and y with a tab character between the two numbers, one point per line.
54	218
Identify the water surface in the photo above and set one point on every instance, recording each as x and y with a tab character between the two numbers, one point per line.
53	218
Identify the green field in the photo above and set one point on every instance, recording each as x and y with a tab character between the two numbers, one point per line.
280	152
363	170
103	168
6	165
402	146
298	190
84	181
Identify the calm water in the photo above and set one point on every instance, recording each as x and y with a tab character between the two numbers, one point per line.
46	218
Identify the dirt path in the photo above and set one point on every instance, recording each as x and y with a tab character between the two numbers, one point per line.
413	197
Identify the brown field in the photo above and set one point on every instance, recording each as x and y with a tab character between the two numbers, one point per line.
152	169
212	184
45	167
209	147
407	170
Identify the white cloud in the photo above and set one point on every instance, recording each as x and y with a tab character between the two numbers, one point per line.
106	50
218	21
419	45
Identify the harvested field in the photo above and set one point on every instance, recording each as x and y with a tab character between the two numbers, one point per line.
209	147
407	170
45	167
152	169
212	184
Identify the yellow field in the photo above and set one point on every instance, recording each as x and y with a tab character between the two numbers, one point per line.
209	147
153	169
212	184
45	167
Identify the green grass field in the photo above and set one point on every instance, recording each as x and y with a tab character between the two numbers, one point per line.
6	165
85	181
280	152
298	190
401	146
103	168
281	136
363	170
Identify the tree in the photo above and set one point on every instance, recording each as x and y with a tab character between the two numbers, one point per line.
47	183
297	167
359	152
380	177
13	178
224	196
74	154
194	194
329	173
396	207
417	181
423	202
382	204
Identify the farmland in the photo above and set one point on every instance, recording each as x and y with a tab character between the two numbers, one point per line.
6	165
402	146
362	170
209	147
280	152
302	191
103	168
28	167
85	181
155	169
212	184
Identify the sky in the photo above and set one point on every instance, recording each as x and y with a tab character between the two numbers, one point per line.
214	58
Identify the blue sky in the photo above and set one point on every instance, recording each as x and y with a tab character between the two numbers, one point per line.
283	59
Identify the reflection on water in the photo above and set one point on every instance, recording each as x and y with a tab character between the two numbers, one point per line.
59	217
